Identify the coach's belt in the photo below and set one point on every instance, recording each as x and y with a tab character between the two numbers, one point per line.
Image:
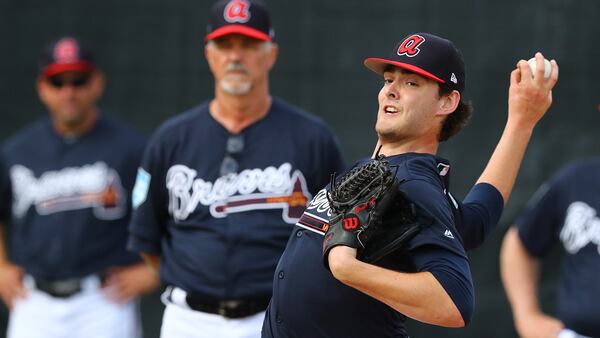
230	308
65	288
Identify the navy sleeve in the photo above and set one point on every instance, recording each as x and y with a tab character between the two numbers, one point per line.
5	191
452	272
149	202
436	249
479	214
542	214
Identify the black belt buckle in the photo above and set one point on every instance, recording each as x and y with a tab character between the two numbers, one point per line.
231	308
64	288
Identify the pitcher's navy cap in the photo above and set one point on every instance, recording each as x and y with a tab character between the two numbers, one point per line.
427	55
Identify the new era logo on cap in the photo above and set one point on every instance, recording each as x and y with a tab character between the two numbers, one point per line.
246	17
427	55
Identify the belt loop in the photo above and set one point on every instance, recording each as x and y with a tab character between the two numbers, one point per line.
165	297
91	282
177	296
29	282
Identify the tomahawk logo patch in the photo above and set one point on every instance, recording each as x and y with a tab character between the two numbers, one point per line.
410	46
237	11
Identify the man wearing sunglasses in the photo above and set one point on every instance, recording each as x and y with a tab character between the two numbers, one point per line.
64	187
221	185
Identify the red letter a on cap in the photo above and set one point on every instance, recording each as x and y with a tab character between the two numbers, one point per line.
409	47
237	11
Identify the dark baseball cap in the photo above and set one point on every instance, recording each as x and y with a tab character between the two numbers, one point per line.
427	55
246	17
66	54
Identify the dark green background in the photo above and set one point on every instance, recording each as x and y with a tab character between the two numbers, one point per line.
152	53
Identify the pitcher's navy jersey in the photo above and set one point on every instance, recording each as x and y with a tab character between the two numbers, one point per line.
221	235
309	302
565	210
67	199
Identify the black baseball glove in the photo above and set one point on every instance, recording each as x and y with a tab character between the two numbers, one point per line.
369	212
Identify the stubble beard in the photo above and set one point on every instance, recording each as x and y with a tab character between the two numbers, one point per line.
235	85
236	80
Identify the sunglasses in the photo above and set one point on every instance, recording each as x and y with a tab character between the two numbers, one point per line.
235	145
76	82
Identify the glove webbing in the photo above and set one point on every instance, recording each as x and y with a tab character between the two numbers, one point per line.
358	182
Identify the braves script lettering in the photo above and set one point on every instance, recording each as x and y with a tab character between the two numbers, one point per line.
93	185
320	203
581	228
257	189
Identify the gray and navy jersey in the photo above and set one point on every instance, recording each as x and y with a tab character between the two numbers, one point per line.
67	200
220	234
565	210
309	302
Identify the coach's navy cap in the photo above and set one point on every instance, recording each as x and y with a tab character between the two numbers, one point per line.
427	55
66	54
246	17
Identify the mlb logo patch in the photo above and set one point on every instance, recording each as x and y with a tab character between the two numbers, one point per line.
140	190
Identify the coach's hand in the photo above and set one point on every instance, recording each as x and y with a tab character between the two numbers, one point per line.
11	283
122	284
538	325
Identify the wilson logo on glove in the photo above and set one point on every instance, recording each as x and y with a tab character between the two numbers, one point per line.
351	223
